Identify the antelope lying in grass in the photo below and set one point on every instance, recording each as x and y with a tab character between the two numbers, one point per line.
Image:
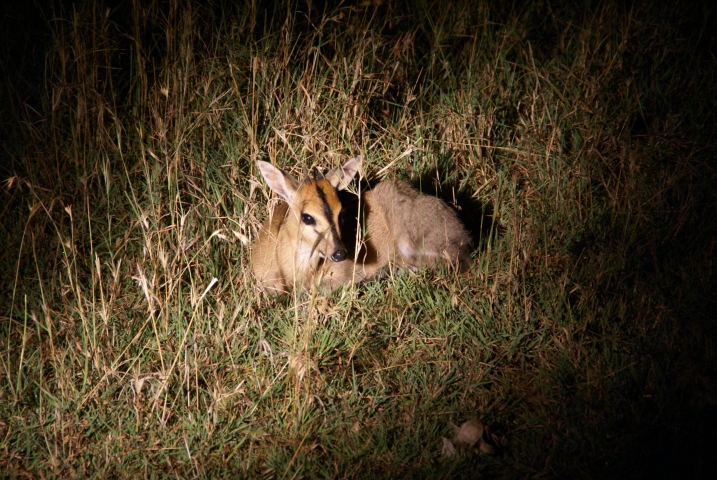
301	244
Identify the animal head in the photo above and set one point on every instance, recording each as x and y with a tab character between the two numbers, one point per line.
314	207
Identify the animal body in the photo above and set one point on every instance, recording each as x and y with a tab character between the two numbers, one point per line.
301	243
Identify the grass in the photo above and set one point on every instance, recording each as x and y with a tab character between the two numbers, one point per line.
578	142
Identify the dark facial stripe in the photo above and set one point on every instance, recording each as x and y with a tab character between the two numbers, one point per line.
329	216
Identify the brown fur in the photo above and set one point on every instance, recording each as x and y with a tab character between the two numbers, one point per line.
404	227
412	230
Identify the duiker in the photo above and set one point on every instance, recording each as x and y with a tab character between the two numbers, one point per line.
301	243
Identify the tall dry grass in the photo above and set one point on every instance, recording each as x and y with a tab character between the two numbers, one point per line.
577	141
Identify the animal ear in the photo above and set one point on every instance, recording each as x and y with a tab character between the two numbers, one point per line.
281	183
341	176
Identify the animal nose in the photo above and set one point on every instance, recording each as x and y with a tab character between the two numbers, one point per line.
339	255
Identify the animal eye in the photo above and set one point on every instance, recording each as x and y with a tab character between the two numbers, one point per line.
307	219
